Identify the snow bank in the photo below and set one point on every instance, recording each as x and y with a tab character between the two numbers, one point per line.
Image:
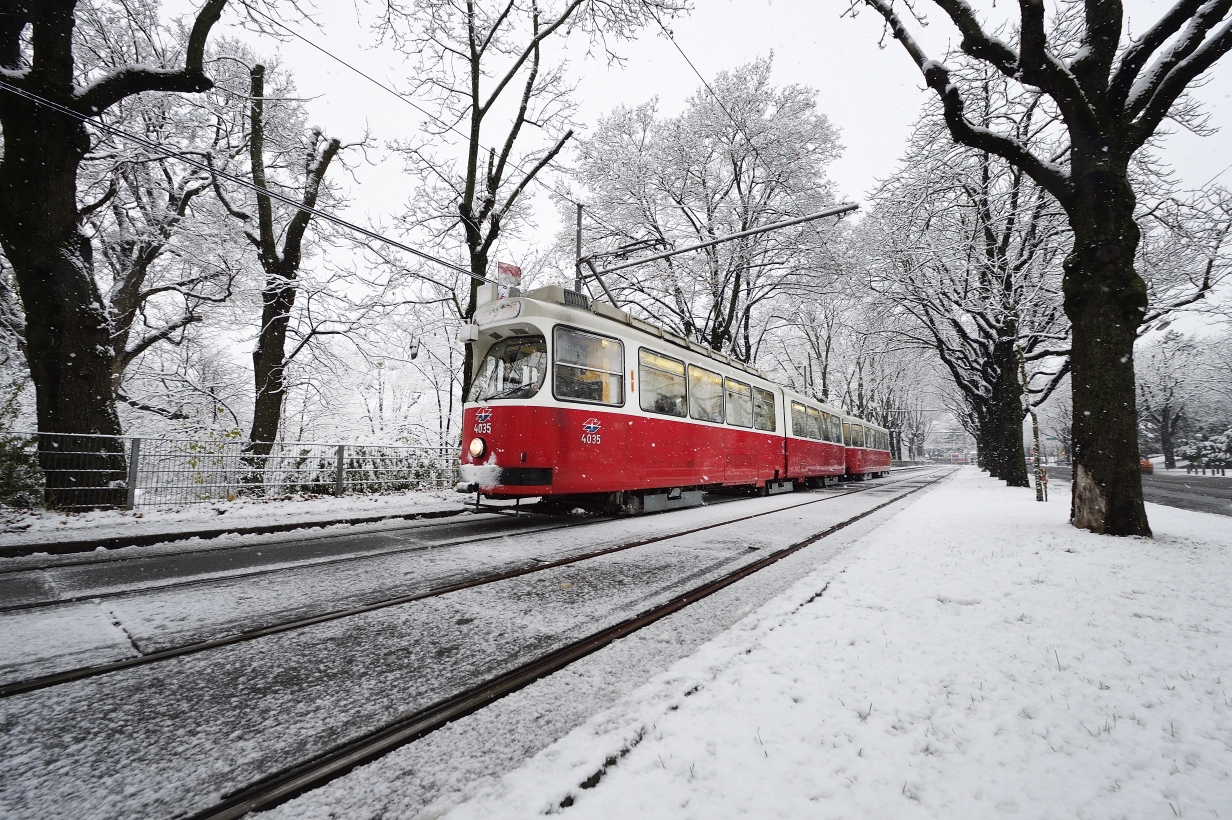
973	657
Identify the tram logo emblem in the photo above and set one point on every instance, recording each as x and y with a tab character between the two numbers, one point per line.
484	414
591	425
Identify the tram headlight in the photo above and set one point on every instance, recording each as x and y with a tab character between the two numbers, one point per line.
478	447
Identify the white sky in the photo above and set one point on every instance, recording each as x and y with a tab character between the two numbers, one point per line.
872	94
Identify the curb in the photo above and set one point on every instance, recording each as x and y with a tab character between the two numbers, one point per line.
147	539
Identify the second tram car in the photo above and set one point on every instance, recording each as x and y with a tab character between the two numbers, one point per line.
577	399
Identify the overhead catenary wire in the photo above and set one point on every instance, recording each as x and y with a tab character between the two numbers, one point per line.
447	126
835	211
214	172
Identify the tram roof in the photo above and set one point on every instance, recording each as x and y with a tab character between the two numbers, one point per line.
555	294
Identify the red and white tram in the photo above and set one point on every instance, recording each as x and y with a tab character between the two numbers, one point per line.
574	398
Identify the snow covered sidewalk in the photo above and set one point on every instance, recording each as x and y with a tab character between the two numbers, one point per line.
973	657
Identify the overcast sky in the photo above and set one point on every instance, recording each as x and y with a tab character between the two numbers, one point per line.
872	94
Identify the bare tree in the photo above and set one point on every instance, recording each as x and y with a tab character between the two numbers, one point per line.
165	254
280	250
749	155
968	248
1112	97
1165	391
68	342
483	63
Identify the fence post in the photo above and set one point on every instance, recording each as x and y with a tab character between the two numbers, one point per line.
134	458
340	473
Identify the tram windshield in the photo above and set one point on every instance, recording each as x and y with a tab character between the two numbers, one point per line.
512	369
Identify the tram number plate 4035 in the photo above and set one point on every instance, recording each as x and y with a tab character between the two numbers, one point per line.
590	438
483	428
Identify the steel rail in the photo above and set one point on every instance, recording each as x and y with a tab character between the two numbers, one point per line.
330	765
498	512
82	673
414	521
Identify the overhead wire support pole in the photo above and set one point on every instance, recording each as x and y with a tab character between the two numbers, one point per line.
835	211
577	265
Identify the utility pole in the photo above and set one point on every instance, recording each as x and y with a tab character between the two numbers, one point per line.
577	264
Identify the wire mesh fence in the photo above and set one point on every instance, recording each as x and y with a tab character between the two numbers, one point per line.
75	472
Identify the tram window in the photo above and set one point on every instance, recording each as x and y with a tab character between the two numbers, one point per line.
827	427
739	404
763	409
705	395
814	424
588	367
663	384
512	368
857	435
847	434
799	420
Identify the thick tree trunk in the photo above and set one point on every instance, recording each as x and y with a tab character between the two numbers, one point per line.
1003	432
69	347
1105	299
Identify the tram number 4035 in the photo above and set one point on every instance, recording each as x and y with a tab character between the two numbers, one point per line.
484	428
590	438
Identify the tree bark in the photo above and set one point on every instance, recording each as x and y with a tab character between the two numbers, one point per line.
68	341
1003	428
1169	419
1105	300
68	334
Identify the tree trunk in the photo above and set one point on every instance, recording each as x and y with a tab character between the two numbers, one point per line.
479	267
69	347
1003	431
269	359
1105	299
1167	435
269	363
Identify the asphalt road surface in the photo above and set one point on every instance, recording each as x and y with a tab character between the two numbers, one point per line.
1174	488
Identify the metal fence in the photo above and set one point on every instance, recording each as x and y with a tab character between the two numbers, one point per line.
74	472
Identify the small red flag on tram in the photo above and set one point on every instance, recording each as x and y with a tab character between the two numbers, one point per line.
505	269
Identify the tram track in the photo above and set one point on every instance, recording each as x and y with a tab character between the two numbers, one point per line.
109	558
283	786
82	673
270	570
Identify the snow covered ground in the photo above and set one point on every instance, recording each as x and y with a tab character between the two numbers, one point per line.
40	527
973	657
